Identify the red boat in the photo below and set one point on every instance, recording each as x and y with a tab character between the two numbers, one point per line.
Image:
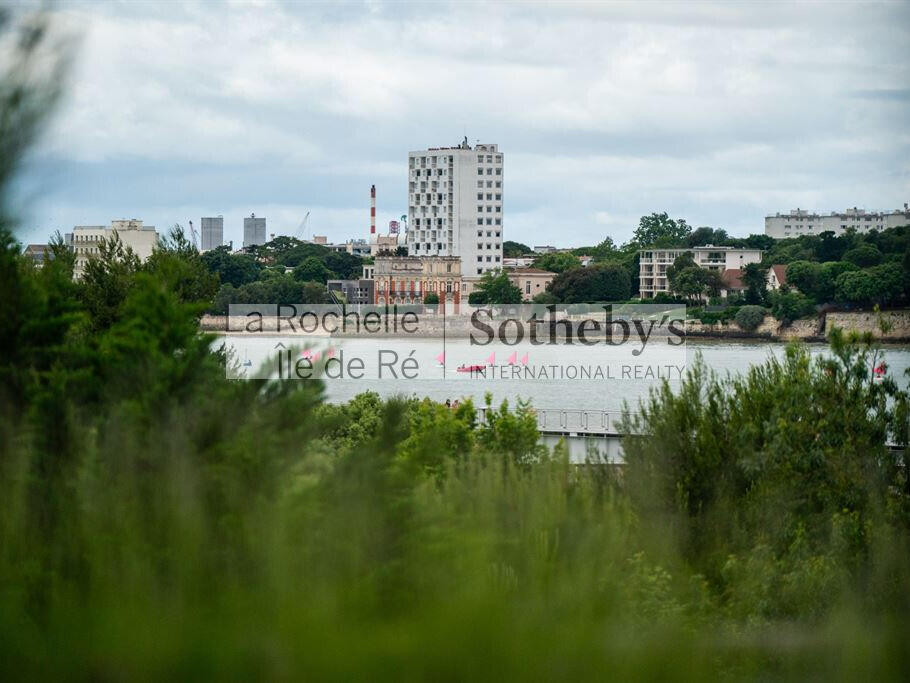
470	368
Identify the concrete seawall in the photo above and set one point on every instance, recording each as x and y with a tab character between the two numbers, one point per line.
812	329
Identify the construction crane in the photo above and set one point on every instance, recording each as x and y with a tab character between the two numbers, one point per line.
195	236
301	229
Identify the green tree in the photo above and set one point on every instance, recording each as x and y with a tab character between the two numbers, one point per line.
106	281
557	262
755	278
864	255
790	306
512	249
495	288
760	470
705	235
313	270
608	282
856	287
236	269
748	318
805	276
659	230
431	299
545	298
177	262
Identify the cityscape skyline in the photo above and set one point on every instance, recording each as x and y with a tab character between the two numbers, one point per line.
633	115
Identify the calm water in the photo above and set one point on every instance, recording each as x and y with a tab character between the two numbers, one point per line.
544	387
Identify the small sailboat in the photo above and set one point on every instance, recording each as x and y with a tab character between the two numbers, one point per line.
471	368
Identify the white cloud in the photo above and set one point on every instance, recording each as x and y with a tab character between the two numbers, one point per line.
719	113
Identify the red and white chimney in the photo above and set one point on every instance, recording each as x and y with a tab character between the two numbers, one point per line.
372	210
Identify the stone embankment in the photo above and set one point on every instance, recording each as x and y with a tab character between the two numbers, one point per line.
812	329
771	329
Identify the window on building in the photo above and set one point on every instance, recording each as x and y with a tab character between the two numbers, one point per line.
498	221
480	221
479	196
490	221
489	171
498	184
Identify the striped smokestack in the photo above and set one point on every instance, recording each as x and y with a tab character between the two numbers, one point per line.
372	210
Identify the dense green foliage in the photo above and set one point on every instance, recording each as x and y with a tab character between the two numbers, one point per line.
776	485
512	249
495	287
557	262
659	230
691	282
749	317
158	521
282	271
606	282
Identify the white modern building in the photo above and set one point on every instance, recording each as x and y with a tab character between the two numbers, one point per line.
212	232
800	222
253	230
654	263
86	240
455	205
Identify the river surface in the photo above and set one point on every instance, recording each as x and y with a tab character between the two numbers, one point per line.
550	377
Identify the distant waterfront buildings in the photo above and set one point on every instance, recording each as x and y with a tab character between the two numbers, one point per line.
455	205
85	240
800	222
38	253
212	232
531	281
408	279
253	230
654	263
517	261
353	291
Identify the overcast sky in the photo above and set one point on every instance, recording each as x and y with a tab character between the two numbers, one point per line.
716	113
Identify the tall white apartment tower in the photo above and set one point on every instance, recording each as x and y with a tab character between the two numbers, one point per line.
253	230
455	205
212	232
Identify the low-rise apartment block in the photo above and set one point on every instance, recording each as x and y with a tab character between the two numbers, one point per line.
800	222
654	264
86	240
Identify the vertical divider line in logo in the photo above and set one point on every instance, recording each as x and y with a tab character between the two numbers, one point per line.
445	306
